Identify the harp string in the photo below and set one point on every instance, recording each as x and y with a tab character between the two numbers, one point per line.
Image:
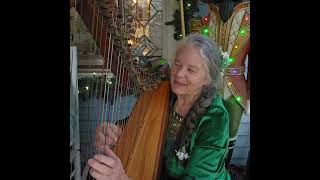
118	107
115	92
104	116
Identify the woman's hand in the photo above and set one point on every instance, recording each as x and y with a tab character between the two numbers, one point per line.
107	167
107	134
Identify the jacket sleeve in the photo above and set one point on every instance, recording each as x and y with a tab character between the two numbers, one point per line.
210	147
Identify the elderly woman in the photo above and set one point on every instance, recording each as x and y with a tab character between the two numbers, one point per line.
198	130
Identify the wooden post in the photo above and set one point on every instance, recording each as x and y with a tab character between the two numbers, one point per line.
182	19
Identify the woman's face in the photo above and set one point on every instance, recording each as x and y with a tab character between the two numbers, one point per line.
189	72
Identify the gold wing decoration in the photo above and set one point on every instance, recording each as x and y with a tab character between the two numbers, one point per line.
225	33
233	36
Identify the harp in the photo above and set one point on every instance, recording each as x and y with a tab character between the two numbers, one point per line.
124	86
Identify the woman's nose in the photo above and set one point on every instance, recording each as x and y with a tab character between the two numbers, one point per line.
180	72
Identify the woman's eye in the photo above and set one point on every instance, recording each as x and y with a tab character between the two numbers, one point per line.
178	65
191	70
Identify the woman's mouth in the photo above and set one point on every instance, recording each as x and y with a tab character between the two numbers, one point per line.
179	83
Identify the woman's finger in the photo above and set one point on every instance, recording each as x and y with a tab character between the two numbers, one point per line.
97	175
99	167
102	128
109	141
111	134
100	139
110	153
117	130
109	161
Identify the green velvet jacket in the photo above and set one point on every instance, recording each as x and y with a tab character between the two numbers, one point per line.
208	148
